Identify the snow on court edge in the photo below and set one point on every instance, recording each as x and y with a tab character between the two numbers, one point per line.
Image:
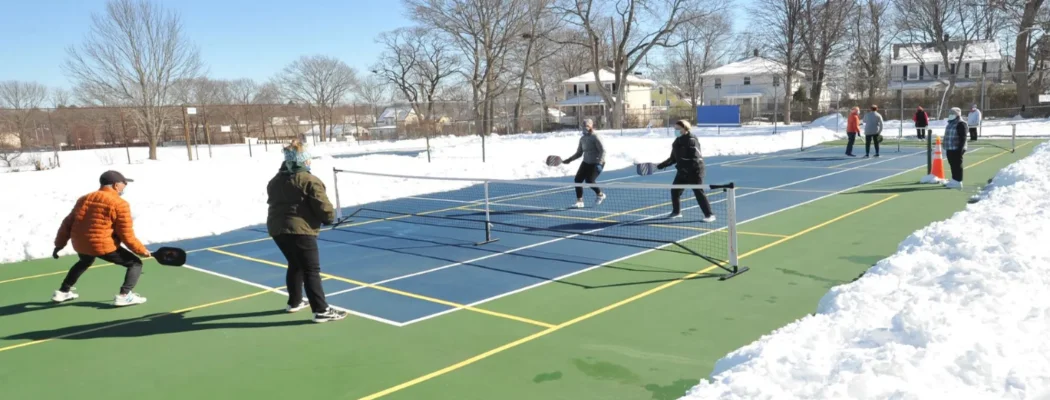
961	311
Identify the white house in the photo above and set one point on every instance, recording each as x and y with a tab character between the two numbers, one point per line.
919	69
583	99
755	83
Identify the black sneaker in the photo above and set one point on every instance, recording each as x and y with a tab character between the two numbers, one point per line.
330	314
876	156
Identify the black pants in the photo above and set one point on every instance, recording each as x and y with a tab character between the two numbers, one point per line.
304	269
868	139
690	178
921	132
955	161
121	257
849	145
973	133
588	173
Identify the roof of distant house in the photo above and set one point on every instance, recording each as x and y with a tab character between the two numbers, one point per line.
606	76
978	50
748	66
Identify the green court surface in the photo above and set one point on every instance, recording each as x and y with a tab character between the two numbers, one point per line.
648	327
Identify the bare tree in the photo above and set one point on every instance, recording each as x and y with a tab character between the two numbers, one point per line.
871	37
703	47
267	98
484	32
781	23
373	91
241	94
321	82
24	98
61	98
1024	13
541	21
946	26
635	28
823	39
134	54
417	63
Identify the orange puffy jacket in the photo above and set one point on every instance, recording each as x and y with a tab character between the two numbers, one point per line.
853	123
98	224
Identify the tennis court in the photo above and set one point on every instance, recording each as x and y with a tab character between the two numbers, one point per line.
432	300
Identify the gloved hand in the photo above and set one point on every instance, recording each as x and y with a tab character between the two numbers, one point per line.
566	161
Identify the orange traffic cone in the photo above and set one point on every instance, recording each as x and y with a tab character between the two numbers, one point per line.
938	164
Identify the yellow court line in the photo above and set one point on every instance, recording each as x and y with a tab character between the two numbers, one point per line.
693	228
398	292
43	275
215	303
602	310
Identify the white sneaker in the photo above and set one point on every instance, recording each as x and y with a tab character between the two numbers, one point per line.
129	299
61	296
579	204
710	219
302	305
330	314
675	215
601	198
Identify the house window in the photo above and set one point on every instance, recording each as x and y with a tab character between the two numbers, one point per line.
936	71
922	72
747	80
967	69
776	80
587	88
904	72
661	90
951	69
718	83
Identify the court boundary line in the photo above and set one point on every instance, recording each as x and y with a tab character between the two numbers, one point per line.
417	296
609	307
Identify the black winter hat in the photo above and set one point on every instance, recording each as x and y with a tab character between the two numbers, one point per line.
112	177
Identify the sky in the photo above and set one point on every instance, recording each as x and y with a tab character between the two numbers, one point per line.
237	38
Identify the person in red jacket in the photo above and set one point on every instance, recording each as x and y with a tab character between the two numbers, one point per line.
852	129
98	224
922	120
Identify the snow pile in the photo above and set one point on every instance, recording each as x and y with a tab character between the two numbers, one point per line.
173	198
962	310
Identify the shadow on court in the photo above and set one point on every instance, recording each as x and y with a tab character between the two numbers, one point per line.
918	187
159	324
15	309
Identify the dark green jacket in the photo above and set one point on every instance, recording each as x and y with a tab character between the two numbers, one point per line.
298	202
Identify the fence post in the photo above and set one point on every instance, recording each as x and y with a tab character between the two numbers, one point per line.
1013	138
482	148
428	147
802	146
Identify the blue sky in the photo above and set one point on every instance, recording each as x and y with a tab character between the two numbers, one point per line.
237	38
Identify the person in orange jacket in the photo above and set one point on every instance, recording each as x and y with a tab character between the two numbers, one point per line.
852	129
98	224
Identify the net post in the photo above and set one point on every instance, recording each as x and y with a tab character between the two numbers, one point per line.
929	151
488	219
338	205
733	256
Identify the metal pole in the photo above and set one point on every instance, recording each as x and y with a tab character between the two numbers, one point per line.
186	130
1013	138
929	151
207	134
482	148
802	147
428	148
776	108
124	130
338	204
54	142
488	222
900	126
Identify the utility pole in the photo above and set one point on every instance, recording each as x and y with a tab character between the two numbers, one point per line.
186	130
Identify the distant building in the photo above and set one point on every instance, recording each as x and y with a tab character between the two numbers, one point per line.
919	68
756	83
583	98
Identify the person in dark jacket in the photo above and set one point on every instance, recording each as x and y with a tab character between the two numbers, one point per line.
955	147
686	157
922	120
298	206
593	153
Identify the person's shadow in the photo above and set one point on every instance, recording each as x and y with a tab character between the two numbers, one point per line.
157	324
15	309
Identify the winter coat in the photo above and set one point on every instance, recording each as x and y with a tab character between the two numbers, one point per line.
853	123
955	135
685	154
872	123
99	222
591	148
974	118
921	119
298	202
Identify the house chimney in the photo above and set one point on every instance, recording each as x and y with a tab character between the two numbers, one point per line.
756	52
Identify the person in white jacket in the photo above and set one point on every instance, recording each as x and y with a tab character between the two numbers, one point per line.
973	119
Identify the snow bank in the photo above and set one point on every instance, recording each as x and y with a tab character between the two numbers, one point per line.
174	199
962	310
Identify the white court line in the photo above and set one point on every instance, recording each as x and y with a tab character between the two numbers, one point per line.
284	293
773	156
512	205
518	249
562	277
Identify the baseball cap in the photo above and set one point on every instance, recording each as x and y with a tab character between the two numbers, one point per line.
112	177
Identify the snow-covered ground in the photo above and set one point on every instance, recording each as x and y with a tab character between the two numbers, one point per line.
173	198
961	311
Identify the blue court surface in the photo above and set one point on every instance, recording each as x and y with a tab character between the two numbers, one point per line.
410	259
